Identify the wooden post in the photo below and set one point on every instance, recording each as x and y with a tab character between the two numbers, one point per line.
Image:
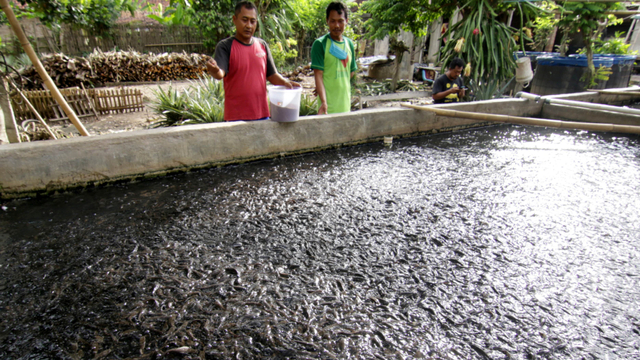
15	25
12	133
3	132
86	96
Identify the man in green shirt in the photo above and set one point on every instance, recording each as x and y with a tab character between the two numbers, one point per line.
333	60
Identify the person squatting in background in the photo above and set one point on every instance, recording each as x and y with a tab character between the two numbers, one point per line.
449	88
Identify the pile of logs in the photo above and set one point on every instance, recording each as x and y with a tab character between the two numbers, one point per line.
116	67
64	71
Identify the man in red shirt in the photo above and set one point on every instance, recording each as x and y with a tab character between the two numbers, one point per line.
245	64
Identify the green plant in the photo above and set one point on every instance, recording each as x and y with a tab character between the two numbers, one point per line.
96	16
543	26
589	19
201	102
18	61
616	45
601	74
283	51
213	19
492	89
486	43
177	13
388	17
275	20
308	105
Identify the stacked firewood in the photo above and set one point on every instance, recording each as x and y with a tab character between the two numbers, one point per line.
117	67
131	66
63	70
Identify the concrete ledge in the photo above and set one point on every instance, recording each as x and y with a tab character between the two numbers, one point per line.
599	97
49	166
572	113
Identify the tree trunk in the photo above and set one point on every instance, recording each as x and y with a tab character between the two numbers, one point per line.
300	35
399	48
591	69
8	127
434	40
396	76
552	40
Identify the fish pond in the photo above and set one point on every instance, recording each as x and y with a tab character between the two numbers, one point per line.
497	242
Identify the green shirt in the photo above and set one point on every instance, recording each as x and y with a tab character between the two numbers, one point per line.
336	73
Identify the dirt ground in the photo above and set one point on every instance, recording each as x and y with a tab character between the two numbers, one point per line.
115	123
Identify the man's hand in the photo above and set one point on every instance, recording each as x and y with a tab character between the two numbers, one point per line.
323	109
213	69
461	93
292	84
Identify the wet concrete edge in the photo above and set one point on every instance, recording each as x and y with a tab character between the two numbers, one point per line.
47	167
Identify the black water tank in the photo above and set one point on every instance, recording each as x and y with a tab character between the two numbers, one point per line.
561	75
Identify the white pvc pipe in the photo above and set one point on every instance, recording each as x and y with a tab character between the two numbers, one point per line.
582	104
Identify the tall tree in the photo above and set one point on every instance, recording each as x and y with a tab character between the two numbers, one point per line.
388	17
96	16
589	19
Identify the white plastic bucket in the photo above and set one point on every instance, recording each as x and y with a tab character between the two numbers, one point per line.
284	103
523	71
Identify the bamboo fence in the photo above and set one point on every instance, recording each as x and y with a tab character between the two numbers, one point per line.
104	101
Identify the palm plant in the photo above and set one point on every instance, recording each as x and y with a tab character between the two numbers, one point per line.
201	102
275	20
487	44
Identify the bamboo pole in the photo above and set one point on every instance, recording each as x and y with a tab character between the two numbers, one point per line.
86	96
15	25
35	112
615	13
582	104
610	92
530	121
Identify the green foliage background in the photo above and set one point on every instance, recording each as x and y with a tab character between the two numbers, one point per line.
96	16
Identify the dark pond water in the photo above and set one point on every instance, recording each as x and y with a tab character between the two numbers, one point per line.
500	242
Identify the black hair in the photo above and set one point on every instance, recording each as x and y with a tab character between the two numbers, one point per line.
245	4
339	8
456	62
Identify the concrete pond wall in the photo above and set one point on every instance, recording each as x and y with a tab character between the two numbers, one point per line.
46	167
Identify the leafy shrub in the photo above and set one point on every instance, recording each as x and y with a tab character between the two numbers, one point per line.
615	45
282	51
201	102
